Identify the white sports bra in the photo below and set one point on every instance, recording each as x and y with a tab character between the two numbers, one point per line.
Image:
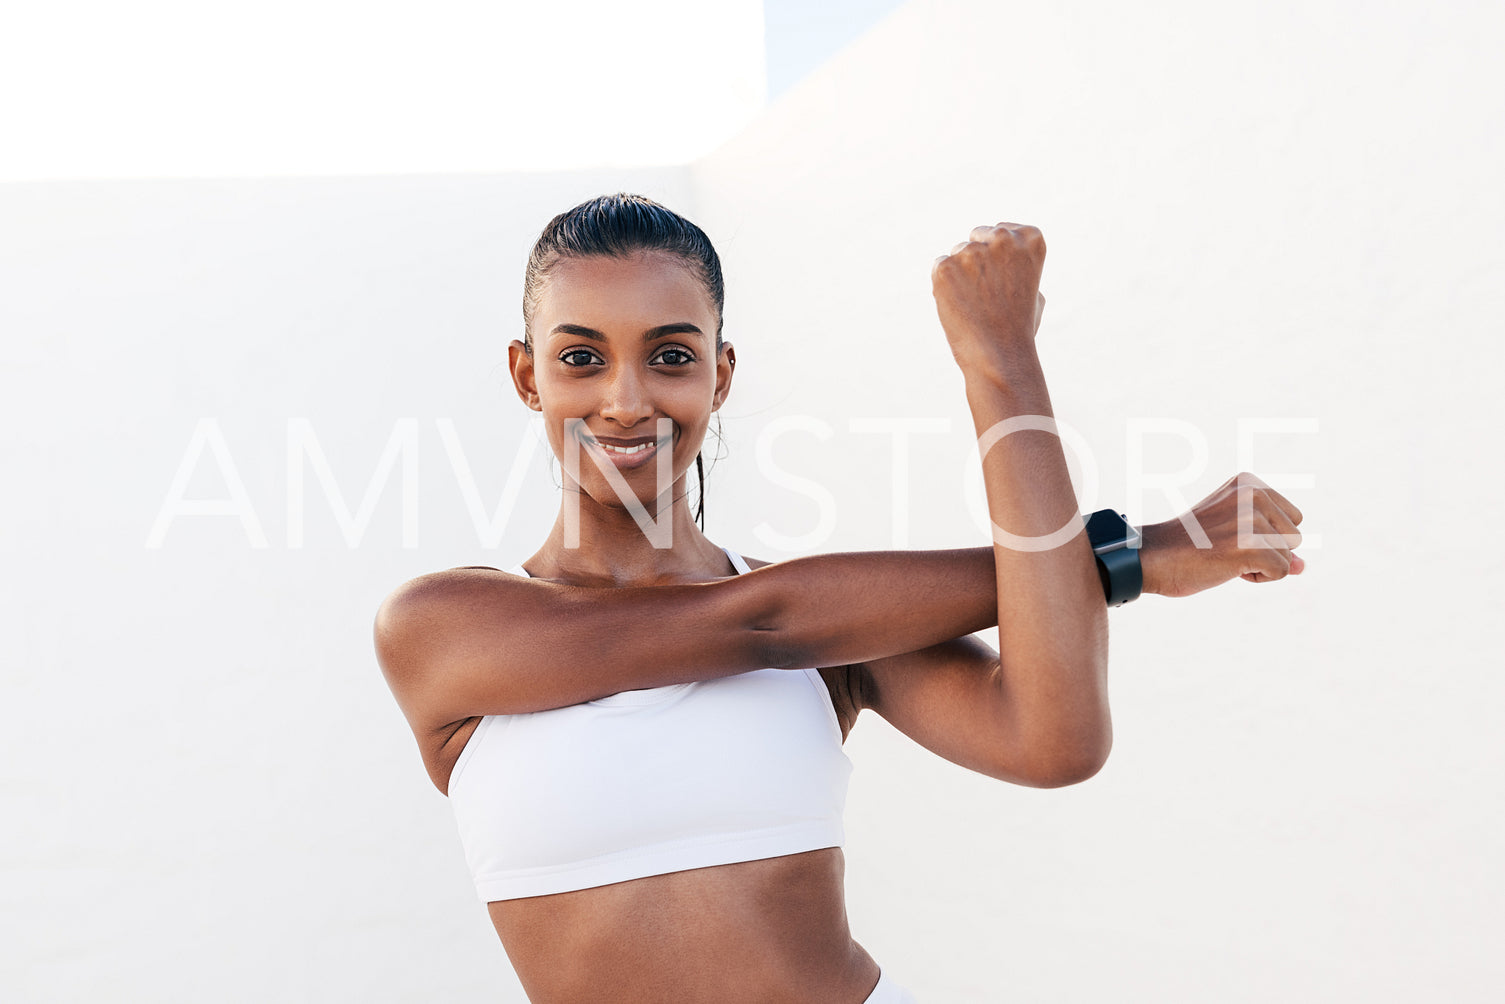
651	781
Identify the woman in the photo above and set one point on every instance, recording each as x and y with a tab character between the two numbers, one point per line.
641	733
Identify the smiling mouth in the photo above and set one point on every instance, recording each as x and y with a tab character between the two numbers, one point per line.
625	451
627	454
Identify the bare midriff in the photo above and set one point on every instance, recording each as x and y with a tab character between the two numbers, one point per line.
772	931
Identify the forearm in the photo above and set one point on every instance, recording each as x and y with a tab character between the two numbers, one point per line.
858	606
1052	619
834	609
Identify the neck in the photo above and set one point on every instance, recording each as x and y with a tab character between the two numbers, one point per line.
605	546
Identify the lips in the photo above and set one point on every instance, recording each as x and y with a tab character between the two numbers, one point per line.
623	453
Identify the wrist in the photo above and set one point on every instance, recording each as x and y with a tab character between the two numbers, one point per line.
1157	541
993	365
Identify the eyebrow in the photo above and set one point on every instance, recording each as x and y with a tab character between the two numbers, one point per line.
662	331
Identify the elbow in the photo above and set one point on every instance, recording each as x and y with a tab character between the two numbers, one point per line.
1076	747
1069	759
1068	770
773	650
769	633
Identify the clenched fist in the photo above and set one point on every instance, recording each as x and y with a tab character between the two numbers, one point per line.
987	292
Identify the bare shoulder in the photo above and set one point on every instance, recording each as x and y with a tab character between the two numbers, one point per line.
436	586
408	608
840	681
418	615
409	623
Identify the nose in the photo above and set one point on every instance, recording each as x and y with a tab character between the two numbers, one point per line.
626	399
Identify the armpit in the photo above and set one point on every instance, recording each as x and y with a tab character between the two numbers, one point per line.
838	681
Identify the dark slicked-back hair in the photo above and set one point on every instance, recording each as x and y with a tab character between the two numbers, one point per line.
617	226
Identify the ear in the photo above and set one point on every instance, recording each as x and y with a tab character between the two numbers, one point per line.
523	377
726	362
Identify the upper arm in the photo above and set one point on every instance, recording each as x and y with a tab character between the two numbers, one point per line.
947	698
950	698
480	641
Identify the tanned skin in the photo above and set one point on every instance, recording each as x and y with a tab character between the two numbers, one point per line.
620	343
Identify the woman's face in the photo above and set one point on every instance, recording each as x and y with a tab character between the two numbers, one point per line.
618	345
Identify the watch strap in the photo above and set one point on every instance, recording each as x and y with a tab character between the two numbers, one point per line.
1121	574
1113	543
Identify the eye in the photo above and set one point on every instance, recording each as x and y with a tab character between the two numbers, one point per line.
578	357
675	356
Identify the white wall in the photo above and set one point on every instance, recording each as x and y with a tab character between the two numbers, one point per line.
209	792
1285	211
1274	211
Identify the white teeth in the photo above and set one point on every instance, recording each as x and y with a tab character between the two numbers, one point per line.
626	450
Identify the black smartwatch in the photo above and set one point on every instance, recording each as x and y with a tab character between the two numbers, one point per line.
1115	544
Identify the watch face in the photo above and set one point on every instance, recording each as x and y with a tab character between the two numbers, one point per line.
1108	531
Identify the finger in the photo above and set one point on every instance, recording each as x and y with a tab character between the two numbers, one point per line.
1270	557
1266	533
1288	508
1024	233
1291	511
1283	525
980	235
958	249
1273	565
